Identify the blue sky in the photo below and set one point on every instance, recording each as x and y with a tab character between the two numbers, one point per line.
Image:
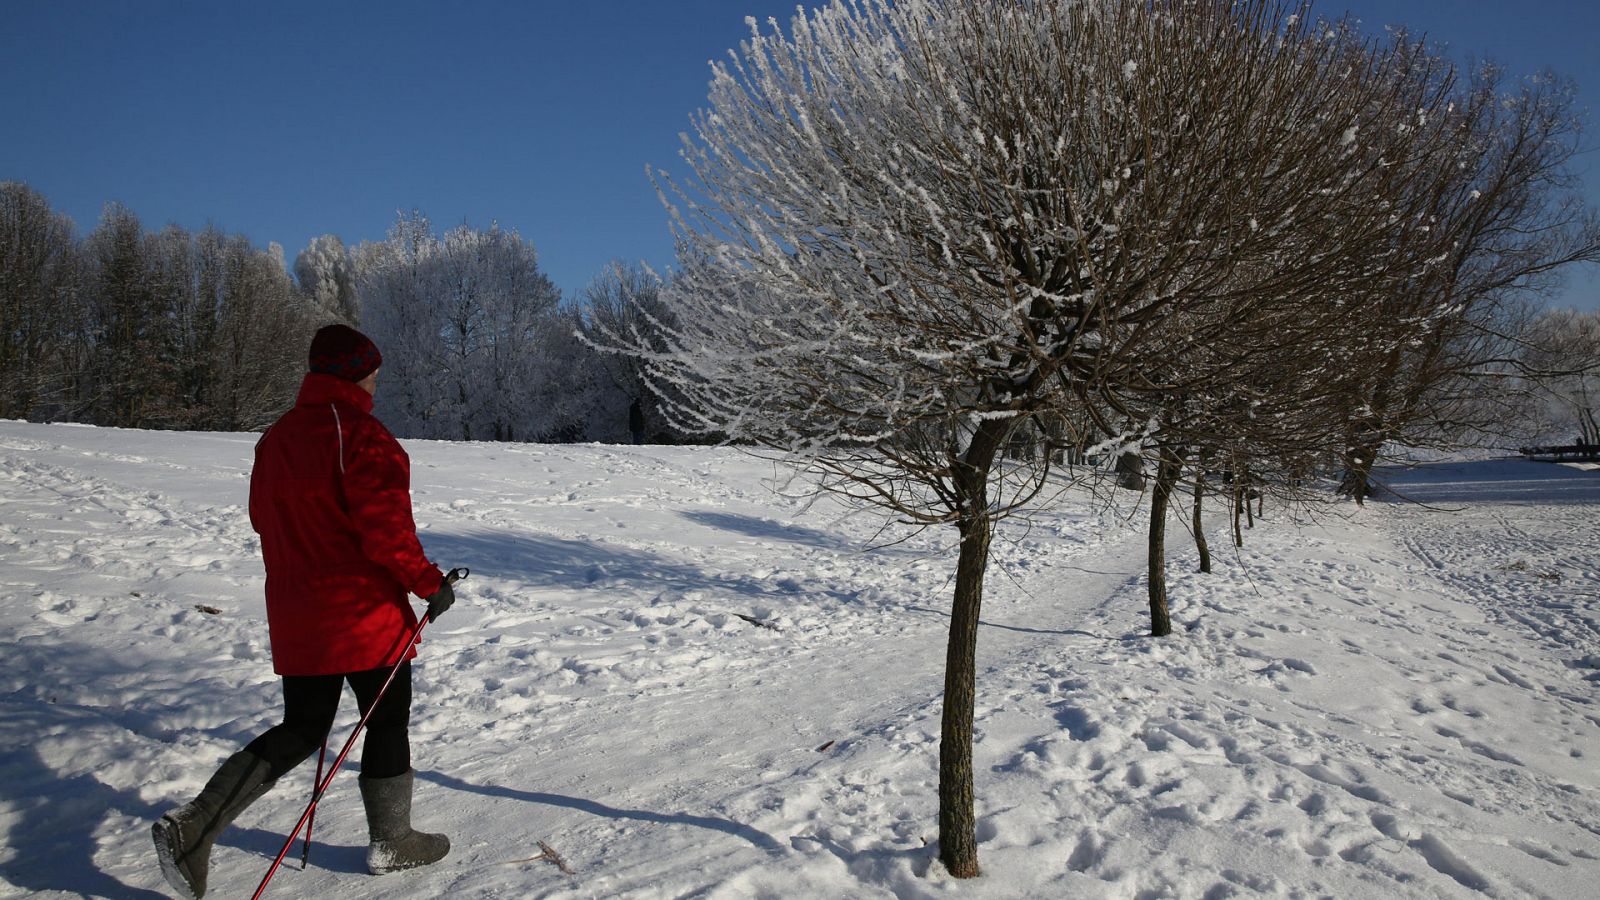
287	120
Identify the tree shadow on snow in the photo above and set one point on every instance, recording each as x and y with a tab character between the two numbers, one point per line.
727	826
56	817
768	529
542	561
944	613
60	823
52	834
1489	481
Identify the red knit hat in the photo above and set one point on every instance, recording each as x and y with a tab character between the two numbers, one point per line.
345	352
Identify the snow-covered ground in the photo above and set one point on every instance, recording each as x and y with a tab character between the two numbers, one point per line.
1396	701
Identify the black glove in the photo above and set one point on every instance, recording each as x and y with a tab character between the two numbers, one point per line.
440	600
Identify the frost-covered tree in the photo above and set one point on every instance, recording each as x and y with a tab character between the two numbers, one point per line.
497	306
914	228
1263	409
626	299
398	282
1504	219
1476	174
1562	358
475	344
327	276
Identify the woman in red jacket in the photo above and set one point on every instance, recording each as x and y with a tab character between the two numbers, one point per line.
330	496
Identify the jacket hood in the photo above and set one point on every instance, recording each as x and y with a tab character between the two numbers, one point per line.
318	389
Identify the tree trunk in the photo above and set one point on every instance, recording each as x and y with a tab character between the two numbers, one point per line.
1356	483
1238	498
1199	525
958	841
1130	471
1160	499
958	827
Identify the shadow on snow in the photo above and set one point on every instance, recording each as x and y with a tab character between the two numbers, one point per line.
727	826
567	564
58	821
54	819
767	529
1490	481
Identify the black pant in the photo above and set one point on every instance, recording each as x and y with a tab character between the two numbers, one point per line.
309	704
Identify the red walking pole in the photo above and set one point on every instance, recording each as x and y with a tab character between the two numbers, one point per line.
311	808
305	849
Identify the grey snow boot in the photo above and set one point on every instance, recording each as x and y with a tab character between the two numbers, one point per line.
184	836
395	845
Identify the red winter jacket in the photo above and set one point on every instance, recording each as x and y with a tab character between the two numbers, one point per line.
330	495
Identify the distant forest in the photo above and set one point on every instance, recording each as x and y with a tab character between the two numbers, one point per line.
173	329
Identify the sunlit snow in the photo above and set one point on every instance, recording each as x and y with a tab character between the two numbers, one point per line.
690	685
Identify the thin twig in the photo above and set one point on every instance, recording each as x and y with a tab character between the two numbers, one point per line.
548	854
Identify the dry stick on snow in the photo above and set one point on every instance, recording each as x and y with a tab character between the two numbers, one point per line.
548	854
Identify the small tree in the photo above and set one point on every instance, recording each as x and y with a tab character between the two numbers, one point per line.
1268	414
498	272
1503	219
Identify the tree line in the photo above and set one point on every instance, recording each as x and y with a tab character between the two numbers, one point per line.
173	329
